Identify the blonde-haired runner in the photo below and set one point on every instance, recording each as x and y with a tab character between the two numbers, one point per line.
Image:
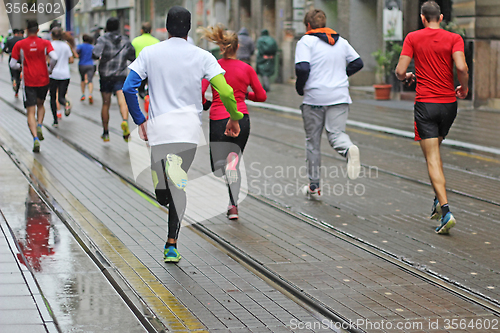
225	151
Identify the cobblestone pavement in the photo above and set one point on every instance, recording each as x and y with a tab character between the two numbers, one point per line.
386	209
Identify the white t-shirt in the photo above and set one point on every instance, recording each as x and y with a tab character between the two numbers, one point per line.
327	83
174	69
63	51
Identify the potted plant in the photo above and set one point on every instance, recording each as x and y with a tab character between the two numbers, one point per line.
386	60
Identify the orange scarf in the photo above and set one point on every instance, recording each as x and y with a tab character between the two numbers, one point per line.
330	34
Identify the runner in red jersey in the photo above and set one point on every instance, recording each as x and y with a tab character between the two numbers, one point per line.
32	53
434	51
225	151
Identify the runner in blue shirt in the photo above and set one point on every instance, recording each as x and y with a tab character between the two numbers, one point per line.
86	66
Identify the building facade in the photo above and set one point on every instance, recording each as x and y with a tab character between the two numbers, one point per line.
481	21
362	22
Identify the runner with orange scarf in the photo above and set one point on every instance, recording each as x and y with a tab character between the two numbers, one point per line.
322	78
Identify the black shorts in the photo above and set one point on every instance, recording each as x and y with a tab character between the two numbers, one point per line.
111	84
32	94
433	120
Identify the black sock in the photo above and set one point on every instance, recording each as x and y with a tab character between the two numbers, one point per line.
445	209
167	245
313	186
105	132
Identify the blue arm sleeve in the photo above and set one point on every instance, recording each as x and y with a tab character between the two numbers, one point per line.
130	86
302	70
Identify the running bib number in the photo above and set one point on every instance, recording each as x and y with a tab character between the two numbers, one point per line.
25	8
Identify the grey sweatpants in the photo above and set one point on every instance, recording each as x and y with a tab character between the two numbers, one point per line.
331	117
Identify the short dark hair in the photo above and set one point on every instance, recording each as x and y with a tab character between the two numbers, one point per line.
57	33
113	24
431	11
178	21
55	24
88	39
146	27
32	26
316	18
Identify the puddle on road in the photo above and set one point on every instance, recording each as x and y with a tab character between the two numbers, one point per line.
80	297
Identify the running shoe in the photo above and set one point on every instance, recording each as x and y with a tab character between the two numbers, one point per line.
174	171
171	254
447	222
67	108
83	98
126	131
231	172
55	125
353	162
311	194
91	100
36	146
105	137
232	212
436	210
39	133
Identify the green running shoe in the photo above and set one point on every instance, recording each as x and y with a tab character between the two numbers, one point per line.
126	131
39	133
67	108
36	146
171	254
174	171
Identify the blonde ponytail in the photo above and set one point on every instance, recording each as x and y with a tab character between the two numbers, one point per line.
225	39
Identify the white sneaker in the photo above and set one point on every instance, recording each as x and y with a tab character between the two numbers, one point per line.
306	190
353	162
174	171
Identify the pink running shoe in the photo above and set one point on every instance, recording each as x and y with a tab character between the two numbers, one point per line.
232	212
231	172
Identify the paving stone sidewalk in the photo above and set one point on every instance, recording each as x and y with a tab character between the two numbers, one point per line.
280	250
338	274
216	290
22	308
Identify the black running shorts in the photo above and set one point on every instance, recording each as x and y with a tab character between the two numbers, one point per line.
32	94
433	120
111	84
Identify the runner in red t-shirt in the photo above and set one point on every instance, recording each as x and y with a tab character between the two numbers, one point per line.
225	151
32	53
434	51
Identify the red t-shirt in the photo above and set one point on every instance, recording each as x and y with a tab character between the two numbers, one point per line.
33	51
239	76
432	50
